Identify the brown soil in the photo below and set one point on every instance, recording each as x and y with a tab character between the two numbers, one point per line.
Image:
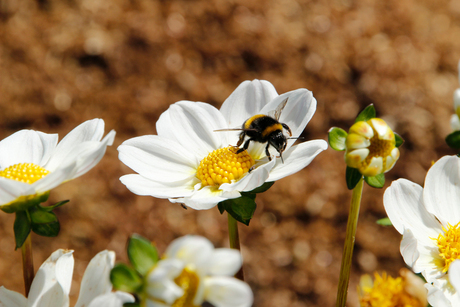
63	62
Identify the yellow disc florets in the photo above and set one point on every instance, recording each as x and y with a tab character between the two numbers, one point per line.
24	172
188	280
449	245
223	166
386	291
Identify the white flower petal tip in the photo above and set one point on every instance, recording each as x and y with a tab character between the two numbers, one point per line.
356	157
455	122
456	100
374	168
192	267
10	298
169	165
381	127
355	141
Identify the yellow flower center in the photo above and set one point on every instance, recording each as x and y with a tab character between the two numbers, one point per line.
223	166
378	148
387	292
188	280
449	245
24	172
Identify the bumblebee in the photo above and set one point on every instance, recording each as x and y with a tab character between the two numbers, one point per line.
264	129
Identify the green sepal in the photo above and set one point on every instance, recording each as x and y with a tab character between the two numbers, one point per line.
384	222
21	228
44	223
453	140
366	114
261	189
23	203
241	209
52	207
337	138
353	176
131	305
142	254
126	279
376	181
398	140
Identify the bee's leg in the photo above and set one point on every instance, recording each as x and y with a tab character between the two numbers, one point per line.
287	128
267	152
245	146
241	139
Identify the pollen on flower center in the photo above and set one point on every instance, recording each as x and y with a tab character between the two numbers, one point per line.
188	280
24	172
379	148
449	245
224	165
387	291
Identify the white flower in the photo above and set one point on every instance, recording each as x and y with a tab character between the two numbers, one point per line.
32	162
51	285
167	164
193	272
429	220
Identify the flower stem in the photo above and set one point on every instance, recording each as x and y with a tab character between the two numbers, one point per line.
234	239
349	244
27	263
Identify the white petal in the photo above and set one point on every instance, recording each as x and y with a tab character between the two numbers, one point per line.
442	294
374	167
455	122
380	126
298	111
436	296
91	130
12	189
142	186
54	179
90	153
454	274
158	158
51	284
408	249
192	125
160	281
10	298
429	262
196	250
442	190
456	99
225	261
26	146
205	198
115	299
296	158
247	100
252	180
228	292
152	303
96	280
403	202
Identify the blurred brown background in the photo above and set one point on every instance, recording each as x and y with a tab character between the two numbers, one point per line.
65	61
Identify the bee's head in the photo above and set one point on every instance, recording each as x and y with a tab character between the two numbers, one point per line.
278	140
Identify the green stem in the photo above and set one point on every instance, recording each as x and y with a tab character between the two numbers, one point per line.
234	239
349	244
27	263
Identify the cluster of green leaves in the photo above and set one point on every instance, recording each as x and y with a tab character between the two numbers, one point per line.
337	140
37	218
242	208
143	256
453	140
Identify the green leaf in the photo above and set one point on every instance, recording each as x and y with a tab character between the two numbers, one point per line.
241	209
142	254
376	181
399	140
131	305
21	228
366	114
353	176
384	222
126	279
44	223
52	207
337	138
262	188
453	140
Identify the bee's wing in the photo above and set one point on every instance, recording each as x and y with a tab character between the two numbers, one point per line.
279	109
